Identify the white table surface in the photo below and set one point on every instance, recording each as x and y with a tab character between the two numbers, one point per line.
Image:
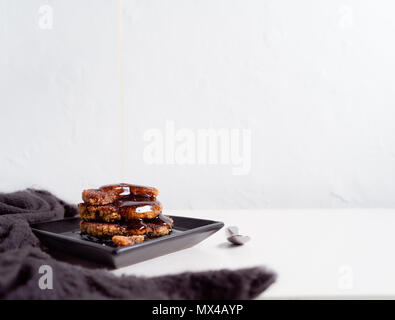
316	253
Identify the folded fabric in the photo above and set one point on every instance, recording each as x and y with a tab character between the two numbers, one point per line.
21	257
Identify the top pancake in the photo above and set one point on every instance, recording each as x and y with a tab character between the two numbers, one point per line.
111	193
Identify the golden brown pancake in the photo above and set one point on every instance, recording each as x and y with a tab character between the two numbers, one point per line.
111	193
121	210
124	241
159	226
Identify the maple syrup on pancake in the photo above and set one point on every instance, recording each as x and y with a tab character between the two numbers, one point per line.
124	191
142	224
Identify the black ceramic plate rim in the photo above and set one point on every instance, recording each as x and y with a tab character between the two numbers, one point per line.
216	225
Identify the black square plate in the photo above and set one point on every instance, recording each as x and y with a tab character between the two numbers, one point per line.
65	235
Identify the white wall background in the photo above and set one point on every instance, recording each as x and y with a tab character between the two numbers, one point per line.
313	81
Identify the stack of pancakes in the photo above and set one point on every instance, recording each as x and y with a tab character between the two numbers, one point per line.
124	212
